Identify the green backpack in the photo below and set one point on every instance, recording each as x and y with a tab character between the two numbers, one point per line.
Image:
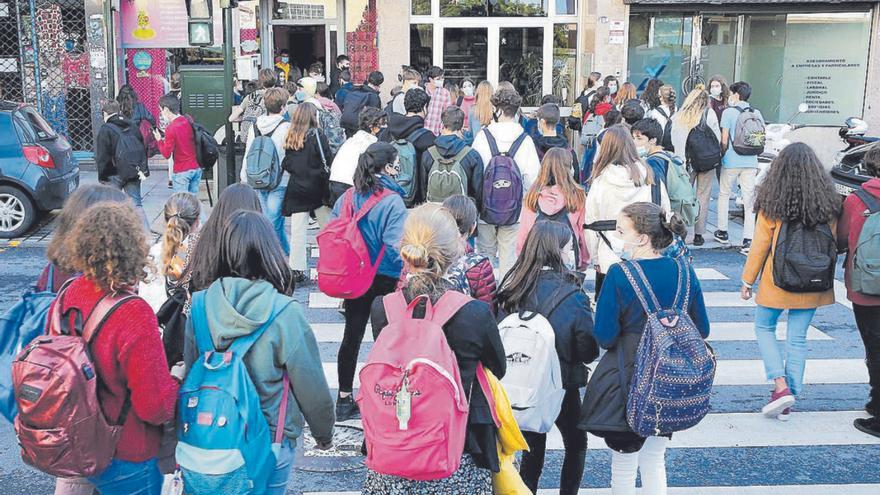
682	196
446	177
865	278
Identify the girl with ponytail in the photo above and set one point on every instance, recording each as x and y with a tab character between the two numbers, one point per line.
430	245
382	226
646	231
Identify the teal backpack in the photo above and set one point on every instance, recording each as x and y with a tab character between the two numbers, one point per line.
223	438
407	179
682	196
865	278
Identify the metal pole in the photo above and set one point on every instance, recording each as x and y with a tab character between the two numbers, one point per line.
227	170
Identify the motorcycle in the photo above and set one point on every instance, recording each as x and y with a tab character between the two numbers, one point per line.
848	173
775	141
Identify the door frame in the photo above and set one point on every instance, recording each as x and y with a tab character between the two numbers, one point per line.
268	24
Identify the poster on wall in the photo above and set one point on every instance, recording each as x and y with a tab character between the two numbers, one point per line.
817	72
161	24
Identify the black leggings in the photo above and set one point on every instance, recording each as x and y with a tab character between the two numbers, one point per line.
868	321
600	279
573	439
357	313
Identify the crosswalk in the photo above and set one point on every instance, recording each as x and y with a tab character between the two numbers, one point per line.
735	450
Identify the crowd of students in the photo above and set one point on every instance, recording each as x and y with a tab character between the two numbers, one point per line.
436	194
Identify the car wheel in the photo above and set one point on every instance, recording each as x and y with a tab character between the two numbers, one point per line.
17	212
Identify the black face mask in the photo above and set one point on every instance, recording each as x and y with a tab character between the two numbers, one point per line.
399	78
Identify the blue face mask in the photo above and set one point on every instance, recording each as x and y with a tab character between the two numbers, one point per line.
284	60
300	96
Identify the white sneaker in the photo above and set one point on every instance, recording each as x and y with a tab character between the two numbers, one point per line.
785	415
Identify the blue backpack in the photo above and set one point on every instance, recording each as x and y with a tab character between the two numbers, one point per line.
674	368
21	324
223	437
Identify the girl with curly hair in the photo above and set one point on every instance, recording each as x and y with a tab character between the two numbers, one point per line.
110	250
797	190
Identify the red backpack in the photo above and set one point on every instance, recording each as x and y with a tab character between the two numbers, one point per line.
61	427
344	266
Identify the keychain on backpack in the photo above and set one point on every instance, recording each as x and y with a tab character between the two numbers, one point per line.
403	399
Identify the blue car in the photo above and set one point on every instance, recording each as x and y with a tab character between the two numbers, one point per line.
37	168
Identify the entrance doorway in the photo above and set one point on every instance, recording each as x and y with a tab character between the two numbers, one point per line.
306	44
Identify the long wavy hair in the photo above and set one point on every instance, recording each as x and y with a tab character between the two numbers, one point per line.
725	89
556	171
303	120
626	92
128	100
651	93
798	189
483	108
181	214
693	108
78	202
618	148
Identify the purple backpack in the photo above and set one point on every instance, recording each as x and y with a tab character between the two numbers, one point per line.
502	184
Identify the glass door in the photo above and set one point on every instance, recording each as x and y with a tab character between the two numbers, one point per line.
465	54
718	41
521	61
660	47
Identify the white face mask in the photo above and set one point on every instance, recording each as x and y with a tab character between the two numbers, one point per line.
612	88
643	152
715	91
468	90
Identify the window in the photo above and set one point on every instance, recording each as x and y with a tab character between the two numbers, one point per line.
465	54
566	7
659	48
565	62
421	7
522	58
421	46
304	9
493	8
37	123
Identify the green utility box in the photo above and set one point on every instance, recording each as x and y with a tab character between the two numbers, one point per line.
202	94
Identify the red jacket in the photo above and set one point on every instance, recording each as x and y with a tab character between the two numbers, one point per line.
848	230
180	142
129	357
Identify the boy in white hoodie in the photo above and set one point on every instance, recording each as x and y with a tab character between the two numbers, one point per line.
506	131
272	124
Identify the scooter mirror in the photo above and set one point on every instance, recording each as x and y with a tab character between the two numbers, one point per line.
803	108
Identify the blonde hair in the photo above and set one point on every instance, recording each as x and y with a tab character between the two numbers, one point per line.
556	170
483	108
303	120
693	108
430	244
181	214
625	93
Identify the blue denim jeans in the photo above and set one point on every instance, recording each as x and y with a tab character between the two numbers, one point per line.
792	365
284	461
129	478
271	202
186	181
132	189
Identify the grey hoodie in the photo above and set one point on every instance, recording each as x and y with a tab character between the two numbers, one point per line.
238	307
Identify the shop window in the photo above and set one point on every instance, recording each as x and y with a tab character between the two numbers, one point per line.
421	46
566	7
565	62
763	49
465	54
421	7
659	48
522	58
493	8
304	9
718	50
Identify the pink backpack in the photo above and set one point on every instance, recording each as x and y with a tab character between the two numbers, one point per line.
412	402
344	267
61	427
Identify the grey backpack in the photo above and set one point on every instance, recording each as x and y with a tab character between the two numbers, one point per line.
262	161
446	177
866	256
750	135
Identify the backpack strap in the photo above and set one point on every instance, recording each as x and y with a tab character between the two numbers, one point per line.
872	203
199	316
101	312
628	268
50	278
242	345
493	145
372	201
435	153
448	305
656	195
516	144
395	306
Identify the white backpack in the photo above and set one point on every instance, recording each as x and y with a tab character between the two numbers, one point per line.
533	380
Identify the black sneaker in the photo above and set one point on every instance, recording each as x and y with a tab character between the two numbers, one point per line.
346	408
721	236
698	240
300	278
746	247
871	426
872	408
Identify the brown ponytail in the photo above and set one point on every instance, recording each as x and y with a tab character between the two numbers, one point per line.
651	220
181	214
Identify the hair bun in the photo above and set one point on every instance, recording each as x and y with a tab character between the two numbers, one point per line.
415	254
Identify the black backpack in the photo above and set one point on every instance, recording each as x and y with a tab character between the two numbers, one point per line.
666	142
130	155
804	258
702	149
355	101
207	149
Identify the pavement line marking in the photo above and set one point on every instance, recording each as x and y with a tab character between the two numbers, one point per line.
315	252
728	372
318	300
721	332
729	331
855	489
840	294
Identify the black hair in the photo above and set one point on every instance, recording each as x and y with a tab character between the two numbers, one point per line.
375	78
452	118
250	250
608	80
632	112
371	163
203	269
371	117
317	68
743	89
549	113
602	92
649	128
170	102
871	161
345	75
650	220
341	58
323	89
612	118
549	99
416	101
651	93
507	100
434	72
463	210
128	99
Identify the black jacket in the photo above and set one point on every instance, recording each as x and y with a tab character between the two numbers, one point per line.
105	148
545	143
308	186
473	336
356	100
403	127
572	321
448	147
